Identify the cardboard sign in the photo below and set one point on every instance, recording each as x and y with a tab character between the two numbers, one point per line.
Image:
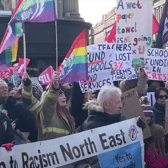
166	118
132	108
45	77
108	62
121	140
134	25
156	63
151	98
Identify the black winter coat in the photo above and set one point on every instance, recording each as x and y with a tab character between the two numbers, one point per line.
6	131
25	119
159	118
159	114
100	119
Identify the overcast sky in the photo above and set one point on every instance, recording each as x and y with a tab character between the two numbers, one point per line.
92	10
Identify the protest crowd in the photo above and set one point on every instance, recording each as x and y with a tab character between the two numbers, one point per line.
29	115
98	108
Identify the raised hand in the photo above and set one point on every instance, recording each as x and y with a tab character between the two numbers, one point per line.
25	76
56	78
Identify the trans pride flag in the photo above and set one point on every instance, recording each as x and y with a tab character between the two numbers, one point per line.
27	11
74	66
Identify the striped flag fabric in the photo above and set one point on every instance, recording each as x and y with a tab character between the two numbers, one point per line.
74	66
27	11
9	55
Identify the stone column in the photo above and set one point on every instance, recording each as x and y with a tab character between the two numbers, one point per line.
60	9
71	10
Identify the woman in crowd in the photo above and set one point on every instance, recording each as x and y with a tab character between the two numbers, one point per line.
161	94
155	148
52	112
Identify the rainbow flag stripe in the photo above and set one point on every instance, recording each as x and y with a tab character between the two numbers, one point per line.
35	11
74	66
9	55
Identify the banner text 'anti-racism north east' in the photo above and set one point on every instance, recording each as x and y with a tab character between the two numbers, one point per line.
119	147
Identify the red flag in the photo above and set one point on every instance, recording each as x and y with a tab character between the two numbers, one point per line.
19	69
155	25
112	36
45	77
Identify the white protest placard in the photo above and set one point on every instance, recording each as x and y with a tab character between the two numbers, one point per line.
123	145
108	62
134	25
122	64
156	64
151	98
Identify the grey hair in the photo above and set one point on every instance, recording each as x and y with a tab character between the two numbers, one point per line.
105	93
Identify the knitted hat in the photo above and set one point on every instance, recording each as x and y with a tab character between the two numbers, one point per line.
148	111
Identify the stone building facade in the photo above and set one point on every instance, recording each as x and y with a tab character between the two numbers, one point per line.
101	30
158	6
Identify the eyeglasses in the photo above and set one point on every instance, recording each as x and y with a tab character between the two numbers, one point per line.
163	96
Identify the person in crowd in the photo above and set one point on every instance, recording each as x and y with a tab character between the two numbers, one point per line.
6	131
161	94
141	84
147	110
77	102
18	114
166	84
152	88
103	111
156	83
52	113
155	148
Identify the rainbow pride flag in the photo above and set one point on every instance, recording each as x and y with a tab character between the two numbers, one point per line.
9	55
27	11
74	66
34	11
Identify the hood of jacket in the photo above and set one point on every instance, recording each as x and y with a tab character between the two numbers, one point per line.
93	105
97	117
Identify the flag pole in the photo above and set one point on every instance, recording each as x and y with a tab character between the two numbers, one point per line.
56	33
24	50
